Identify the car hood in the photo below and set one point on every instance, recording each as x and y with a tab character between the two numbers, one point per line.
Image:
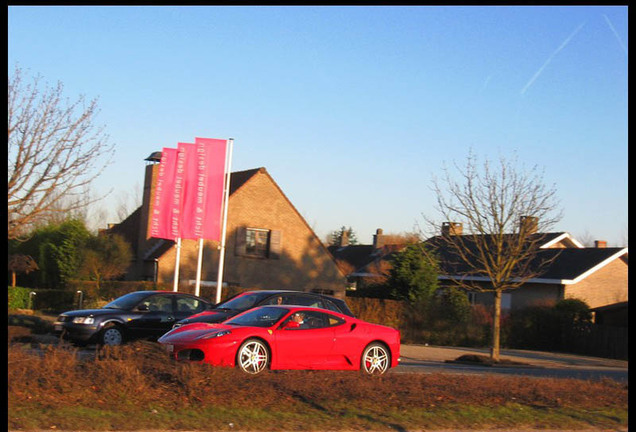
213	316
92	312
192	332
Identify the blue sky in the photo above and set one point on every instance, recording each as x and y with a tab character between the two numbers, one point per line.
353	110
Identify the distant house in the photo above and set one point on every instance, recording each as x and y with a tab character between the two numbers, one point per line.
367	265
269	245
595	275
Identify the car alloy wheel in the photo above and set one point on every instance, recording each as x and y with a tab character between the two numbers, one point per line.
375	359
112	336
253	356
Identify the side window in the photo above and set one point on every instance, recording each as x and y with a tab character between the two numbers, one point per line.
279	299
331	306
306	300
190	305
160	303
316	320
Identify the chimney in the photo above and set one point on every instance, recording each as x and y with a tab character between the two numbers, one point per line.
452	228
378	239
600	243
344	238
528	224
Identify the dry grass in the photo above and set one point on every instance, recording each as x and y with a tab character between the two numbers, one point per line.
137	387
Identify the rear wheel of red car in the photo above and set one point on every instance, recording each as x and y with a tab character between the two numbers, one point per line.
252	356
376	359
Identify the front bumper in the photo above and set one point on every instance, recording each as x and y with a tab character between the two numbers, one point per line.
75	332
217	353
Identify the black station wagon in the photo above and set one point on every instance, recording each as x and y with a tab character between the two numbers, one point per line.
137	315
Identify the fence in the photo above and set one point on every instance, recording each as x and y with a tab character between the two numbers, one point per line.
597	340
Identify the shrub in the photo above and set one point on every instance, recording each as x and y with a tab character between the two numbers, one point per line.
18	297
543	327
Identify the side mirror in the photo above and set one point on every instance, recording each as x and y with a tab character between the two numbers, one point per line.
143	308
290	325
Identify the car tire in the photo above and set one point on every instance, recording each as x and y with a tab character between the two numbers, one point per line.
376	359
253	356
111	335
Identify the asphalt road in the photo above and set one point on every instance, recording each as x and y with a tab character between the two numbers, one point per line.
429	359
544	372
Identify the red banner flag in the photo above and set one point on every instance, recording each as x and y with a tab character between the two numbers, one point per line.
189	191
163	205
187	178
211	154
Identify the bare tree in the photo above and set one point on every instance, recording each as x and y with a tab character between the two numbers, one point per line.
55	152
586	239
503	210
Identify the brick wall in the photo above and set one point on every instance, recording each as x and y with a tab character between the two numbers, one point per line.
606	286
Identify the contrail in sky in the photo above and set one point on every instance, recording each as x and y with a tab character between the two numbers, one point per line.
547	62
618	38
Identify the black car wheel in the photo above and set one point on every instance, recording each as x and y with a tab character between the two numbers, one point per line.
376	359
111	335
253	356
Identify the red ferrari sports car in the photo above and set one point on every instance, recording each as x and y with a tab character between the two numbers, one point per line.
288	337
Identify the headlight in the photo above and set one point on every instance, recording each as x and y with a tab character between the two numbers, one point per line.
83	320
215	335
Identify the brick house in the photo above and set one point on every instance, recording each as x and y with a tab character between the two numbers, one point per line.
596	275
269	245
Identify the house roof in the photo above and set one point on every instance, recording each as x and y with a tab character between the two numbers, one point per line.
355	255
365	259
567	265
552	265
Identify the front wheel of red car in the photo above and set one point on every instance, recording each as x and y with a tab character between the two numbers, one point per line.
252	356
376	359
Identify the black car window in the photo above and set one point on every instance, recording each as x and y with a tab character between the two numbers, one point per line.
306	300
242	301
278	299
190	305
128	301
331	306
158	303
273	300
261	317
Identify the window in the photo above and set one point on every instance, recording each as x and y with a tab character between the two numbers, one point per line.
258	243
190	305
306	300
315	320
472	297
159	303
506	301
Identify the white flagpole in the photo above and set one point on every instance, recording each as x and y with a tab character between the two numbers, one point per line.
176	266
198	282
228	163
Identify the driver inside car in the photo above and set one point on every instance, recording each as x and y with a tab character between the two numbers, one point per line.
296	321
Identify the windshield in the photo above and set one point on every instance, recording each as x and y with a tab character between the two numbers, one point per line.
126	302
261	317
243	302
